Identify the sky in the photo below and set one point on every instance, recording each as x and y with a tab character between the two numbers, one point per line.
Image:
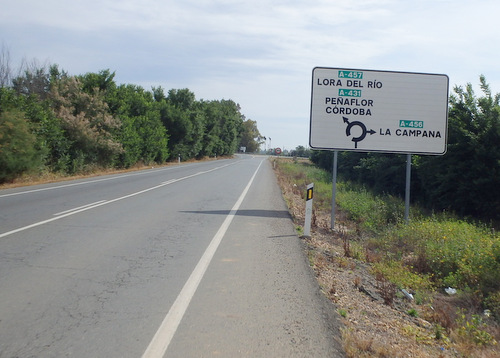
258	53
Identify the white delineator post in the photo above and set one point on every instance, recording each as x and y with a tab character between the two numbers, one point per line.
309	208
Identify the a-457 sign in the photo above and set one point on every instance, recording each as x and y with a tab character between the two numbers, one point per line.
378	111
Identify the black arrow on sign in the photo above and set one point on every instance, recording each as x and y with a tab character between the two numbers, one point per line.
363	129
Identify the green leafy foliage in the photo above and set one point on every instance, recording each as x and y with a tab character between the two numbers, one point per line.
401	275
458	254
184	122
373	213
72	124
18	152
250	136
86	122
466	179
492	302
473	328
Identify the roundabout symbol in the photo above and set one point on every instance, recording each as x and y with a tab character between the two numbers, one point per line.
364	131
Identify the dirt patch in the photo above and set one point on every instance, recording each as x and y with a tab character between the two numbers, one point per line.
379	320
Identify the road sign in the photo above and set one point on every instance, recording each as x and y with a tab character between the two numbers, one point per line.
378	111
277	151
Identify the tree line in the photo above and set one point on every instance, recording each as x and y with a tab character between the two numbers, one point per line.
53	121
466	180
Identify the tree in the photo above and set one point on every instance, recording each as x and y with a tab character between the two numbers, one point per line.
77	122
142	134
18	153
300	151
103	81
230	123
223	122
466	179
183	99
153	138
87	123
250	136
5	69
184	121
159	94
35	79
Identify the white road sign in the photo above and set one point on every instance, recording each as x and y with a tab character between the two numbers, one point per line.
378	111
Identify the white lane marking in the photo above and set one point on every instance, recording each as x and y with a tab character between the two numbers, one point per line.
78	208
77	211
169	181
79	183
94	181
161	340
98	204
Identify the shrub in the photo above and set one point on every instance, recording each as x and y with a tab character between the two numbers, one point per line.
493	304
402	276
18	152
372	212
473	328
457	253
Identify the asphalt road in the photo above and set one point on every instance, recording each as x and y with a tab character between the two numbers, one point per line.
192	260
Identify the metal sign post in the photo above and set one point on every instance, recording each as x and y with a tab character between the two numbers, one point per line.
334	188
407	190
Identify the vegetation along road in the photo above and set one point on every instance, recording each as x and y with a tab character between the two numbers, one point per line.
180	261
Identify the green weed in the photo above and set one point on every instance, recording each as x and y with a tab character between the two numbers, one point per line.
412	312
474	329
372	213
457	253
397	273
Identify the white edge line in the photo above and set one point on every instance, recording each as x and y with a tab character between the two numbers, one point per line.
161	340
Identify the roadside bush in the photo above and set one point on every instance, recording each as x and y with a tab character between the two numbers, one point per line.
362	207
493	304
459	254
402	276
18	152
474	329
373	213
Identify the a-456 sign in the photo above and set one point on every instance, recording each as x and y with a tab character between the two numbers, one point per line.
378	111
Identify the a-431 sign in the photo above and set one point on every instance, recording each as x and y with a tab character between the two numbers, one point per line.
378	111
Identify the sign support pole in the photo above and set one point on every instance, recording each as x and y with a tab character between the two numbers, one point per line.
334	187
407	191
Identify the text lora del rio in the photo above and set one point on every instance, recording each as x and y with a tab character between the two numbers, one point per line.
348	83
